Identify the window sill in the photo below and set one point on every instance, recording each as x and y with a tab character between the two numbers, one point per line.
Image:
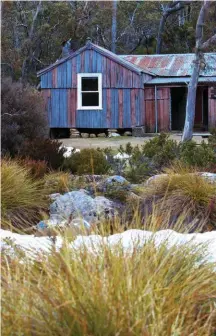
89	108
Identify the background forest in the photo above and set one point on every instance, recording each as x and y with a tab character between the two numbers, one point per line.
33	31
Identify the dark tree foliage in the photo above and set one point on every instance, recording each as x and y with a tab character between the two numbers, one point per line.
23	116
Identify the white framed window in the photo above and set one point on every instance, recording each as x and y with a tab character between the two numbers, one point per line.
89	91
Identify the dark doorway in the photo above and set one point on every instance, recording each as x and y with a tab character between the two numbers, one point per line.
178	108
205	109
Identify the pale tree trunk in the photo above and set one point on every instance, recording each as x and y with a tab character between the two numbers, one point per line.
172	7
198	62
114	25
30	32
160	33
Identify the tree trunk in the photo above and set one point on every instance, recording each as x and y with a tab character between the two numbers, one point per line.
192	88
160	33
114	13
191	101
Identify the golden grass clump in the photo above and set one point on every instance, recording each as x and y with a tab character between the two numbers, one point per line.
151	292
184	192
58	182
22	196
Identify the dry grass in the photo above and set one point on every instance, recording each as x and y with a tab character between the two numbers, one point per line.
58	182
23	198
184	192
153	292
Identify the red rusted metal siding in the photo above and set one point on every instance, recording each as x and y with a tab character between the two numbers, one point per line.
163	109
149	110
163	101
211	108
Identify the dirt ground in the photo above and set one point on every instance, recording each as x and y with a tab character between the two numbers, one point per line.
113	142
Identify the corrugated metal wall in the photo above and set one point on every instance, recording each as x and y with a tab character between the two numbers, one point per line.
162	109
122	108
123	94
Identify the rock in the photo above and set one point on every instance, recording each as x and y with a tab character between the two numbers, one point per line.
92	135
85	135
209	176
80	204
75	203
74	133
68	151
77	135
155	178
138	131
110	135
101	135
53	197
127	133
116	179
112	130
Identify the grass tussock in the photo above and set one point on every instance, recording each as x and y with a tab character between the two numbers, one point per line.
23	198
58	182
151	292
182	191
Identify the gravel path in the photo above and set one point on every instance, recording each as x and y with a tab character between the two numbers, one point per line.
113	142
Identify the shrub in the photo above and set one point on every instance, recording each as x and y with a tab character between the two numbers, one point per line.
194	155
47	150
212	139
23	116
161	150
153	291
22	197
37	169
87	161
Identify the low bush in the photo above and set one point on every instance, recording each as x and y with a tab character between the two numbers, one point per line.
159	153
153	291
36	168
50	151
23	116
23	198
87	161
161	150
212	139
193	155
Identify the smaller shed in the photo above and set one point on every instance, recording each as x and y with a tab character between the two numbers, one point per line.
166	94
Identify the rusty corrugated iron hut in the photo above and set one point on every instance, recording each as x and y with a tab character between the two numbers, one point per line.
94	88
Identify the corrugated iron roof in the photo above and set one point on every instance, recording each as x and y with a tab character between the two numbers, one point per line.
182	80
172	65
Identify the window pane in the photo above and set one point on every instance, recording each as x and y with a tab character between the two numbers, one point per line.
90	99
89	84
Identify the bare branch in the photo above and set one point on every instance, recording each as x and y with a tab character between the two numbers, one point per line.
38	9
209	42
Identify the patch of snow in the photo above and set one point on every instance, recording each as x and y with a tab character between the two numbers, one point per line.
122	156
69	151
128	240
113	135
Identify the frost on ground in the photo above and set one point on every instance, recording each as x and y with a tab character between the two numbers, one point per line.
128	240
